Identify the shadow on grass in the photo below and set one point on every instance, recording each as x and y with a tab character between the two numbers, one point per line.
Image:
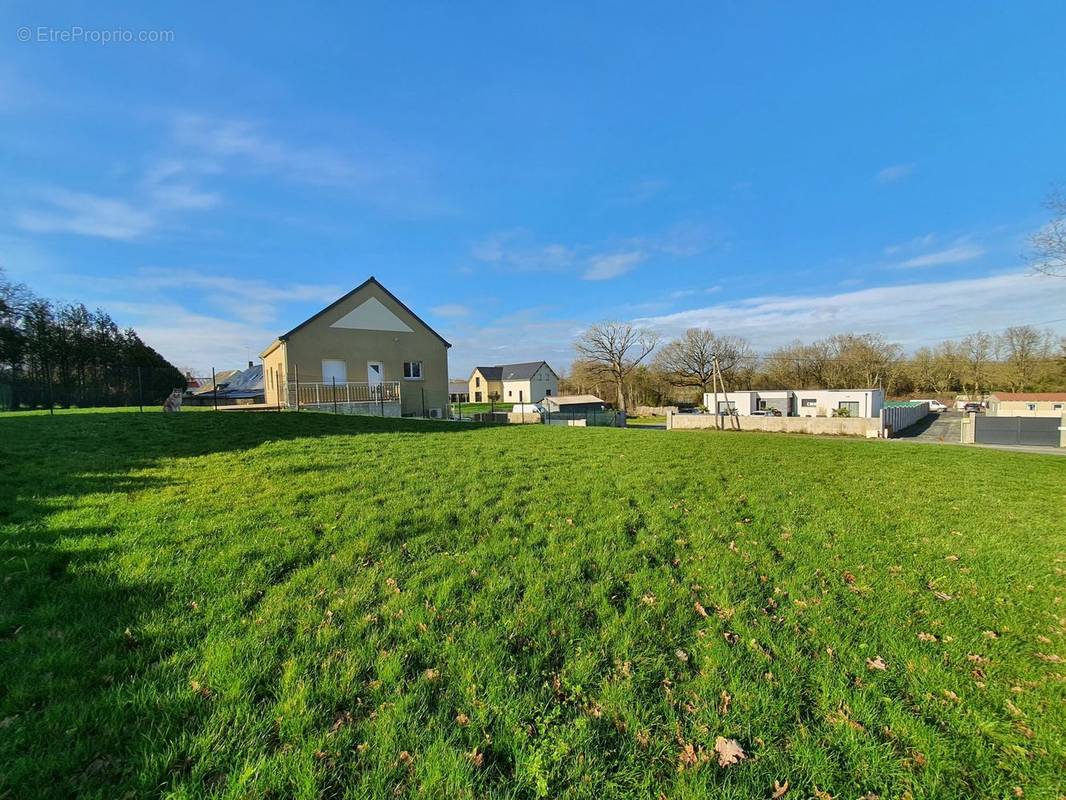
75	660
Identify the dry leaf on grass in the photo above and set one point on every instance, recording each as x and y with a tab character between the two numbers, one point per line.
682	656
462	719
723	707
730	637
926	637
780	790
876	664
700	609
729	751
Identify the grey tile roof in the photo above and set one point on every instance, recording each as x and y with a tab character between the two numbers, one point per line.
511	372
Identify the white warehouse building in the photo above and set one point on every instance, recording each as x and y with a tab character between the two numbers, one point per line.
798	402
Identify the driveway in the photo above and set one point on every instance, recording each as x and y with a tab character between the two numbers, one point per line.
945	427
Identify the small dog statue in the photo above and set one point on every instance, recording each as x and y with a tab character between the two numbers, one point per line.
173	403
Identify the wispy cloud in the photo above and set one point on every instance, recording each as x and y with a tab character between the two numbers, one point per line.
914	314
896	172
384	175
517	251
605	266
451	310
952	255
87	215
166	190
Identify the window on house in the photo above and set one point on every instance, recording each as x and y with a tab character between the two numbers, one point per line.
412	370
477	380
1057	407
477	397
808	402
1031	406
851	407
548	393
726	407
510	393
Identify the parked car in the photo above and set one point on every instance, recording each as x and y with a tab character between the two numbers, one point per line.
934	405
973	407
766	412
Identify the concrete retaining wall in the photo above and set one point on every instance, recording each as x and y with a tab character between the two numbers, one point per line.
359	409
822	426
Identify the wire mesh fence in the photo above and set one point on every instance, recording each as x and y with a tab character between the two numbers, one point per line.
124	386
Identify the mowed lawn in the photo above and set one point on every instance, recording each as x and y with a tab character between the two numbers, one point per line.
302	605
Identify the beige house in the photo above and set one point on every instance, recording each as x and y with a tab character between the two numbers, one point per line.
367	353
1027	404
528	382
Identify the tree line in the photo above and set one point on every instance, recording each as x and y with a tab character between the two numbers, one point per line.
64	354
633	366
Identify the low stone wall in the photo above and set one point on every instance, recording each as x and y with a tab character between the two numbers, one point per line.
656	411
529	418
359	409
821	426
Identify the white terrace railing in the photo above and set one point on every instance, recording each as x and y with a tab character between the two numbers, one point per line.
317	394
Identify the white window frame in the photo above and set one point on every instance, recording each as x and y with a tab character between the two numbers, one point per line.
409	367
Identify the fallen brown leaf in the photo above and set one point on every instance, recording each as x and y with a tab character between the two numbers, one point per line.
876	664
700	609
926	637
729	751
780	790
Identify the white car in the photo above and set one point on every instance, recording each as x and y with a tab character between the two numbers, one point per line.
934	405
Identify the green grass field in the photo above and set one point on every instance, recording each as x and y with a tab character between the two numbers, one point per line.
302	605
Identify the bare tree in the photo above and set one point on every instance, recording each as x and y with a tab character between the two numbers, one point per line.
690	359
1049	243
615	349
976	355
1025	351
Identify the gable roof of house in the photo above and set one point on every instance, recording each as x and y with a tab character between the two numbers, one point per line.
360	287
1054	397
513	372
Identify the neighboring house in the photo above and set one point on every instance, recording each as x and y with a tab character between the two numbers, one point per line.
799	402
528	382
234	387
573	404
367	353
1027	404
206	387
458	391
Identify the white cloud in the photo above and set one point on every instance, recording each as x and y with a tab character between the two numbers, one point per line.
956	254
195	339
383	175
88	215
450	310
896	172
914	314
611	265
516	251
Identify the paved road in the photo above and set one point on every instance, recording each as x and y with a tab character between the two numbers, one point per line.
943	427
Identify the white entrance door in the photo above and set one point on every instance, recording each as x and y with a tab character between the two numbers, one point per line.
334	370
375	371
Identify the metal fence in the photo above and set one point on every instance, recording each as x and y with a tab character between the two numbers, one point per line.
123	386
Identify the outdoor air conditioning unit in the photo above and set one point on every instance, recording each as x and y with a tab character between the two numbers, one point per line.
435	413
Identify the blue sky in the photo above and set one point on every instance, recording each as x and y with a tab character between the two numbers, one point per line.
516	171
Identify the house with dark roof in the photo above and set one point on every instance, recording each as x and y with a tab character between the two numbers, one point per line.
231	387
366	353
527	382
